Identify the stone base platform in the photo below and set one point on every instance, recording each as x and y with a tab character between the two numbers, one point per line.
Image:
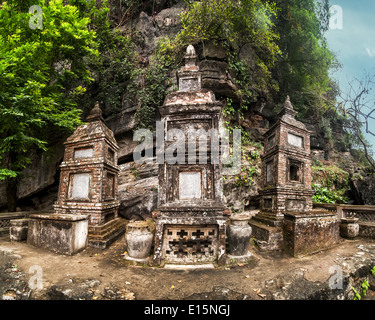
103	236
195	239
239	259
61	233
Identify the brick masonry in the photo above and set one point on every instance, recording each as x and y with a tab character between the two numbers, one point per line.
286	219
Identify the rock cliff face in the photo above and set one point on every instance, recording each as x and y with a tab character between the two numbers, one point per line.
364	190
138	184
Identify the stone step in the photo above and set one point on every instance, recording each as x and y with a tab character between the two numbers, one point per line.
101	237
267	237
113	224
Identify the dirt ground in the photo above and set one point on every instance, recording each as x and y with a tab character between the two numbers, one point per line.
96	274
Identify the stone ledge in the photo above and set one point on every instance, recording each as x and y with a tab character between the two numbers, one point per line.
104	235
59	217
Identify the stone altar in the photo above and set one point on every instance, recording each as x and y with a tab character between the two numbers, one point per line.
309	232
60	233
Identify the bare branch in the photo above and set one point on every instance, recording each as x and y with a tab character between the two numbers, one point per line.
359	105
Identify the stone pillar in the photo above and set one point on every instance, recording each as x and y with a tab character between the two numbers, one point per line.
18	229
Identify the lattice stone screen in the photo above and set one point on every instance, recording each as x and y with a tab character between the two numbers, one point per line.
363	216
190	244
4	223
5	220
83	153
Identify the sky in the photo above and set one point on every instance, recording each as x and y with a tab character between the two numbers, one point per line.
352	38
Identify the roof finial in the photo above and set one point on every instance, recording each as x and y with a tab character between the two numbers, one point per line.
287	109
191	57
190	50
287	103
95	112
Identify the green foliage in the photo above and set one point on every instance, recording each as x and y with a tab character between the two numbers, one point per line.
115	65
329	175
364	287
151	93
42	76
250	161
242	27
153	81
302	72
325	195
113	70
329	182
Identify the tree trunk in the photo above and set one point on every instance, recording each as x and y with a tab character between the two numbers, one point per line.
11	190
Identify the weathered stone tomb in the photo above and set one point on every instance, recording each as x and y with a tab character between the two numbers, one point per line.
89	180
285	178
190	221
286	219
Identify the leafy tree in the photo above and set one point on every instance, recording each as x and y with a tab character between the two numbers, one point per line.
302	71
42	75
243	27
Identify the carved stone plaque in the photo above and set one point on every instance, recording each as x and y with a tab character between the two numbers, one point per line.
109	186
80	186
269	171
190	185
189	84
295	205
83	153
295	140
271	141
